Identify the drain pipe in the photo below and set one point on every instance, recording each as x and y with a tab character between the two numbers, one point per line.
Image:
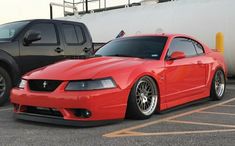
60	5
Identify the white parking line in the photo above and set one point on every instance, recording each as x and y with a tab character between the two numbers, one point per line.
6	109
130	130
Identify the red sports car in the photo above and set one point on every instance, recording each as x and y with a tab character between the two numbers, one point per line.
128	77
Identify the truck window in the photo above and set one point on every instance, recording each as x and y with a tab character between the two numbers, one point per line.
69	34
10	30
48	33
80	34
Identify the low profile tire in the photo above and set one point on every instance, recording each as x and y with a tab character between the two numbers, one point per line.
5	86
218	86
143	99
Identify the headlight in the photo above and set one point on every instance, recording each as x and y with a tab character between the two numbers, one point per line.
106	83
22	84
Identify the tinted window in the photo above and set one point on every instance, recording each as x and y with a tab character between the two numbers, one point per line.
183	45
9	30
199	48
48	33
70	34
142	47
79	34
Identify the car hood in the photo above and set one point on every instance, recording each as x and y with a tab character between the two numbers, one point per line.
85	69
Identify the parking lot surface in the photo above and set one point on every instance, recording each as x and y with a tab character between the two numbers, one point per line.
205	122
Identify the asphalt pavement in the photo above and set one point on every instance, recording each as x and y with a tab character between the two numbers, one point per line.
209	123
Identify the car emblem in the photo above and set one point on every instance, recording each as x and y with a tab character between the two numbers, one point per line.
44	84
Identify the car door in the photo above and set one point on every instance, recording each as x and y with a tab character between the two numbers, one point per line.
74	40
184	77
42	52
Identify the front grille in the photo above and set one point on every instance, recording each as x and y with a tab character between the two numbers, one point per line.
44	85
43	111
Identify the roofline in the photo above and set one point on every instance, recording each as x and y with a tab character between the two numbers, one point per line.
162	34
32	20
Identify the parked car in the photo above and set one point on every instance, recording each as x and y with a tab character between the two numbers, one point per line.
30	44
128	77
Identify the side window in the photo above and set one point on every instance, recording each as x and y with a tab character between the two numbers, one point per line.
69	34
199	48
80	34
183	45
48	33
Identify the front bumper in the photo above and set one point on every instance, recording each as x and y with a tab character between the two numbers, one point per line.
61	121
104	105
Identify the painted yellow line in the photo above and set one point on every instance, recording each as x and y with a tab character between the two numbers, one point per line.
217	113
202	123
173	133
119	132
7	109
228	105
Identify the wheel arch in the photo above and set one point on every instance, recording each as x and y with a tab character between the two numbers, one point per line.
156	83
219	67
8	63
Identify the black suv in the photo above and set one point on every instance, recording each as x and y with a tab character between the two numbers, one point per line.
30	44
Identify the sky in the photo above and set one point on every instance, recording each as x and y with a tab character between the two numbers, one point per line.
14	10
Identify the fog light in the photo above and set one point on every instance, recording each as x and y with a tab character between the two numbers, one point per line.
82	113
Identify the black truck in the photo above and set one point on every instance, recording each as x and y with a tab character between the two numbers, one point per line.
30	44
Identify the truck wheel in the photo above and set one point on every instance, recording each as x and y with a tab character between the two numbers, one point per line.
5	86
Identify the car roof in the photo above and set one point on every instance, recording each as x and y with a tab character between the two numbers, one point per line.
46	20
172	35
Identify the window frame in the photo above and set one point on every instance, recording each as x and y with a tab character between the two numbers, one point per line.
203	49
45	44
83	34
193	44
74	26
62	30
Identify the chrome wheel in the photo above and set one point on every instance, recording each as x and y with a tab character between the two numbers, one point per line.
219	83
146	96
2	86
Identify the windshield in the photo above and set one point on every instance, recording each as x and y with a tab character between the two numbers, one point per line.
139	47
9	30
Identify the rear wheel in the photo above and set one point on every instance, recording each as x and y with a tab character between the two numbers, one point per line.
218	85
143	99
5	86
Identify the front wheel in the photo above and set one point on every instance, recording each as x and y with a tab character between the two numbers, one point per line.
143	99
5	86
218	86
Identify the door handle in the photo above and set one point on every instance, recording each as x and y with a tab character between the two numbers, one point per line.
59	50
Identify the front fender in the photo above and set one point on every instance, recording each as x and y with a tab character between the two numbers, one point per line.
10	64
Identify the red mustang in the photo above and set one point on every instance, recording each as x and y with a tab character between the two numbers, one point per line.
129	77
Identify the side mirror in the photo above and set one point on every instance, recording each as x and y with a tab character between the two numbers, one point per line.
177	55
32	36
88	51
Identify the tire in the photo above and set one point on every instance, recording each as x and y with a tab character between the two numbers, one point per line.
5	86
143	99
218	85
